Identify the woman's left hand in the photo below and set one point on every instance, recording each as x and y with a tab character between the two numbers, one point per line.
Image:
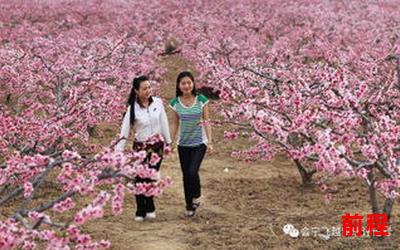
210	149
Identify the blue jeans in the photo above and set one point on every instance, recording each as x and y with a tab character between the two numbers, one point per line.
190	159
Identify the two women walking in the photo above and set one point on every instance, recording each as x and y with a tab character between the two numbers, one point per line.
146	114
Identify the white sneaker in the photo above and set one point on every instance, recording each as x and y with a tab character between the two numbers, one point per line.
139	218
189	213
151	215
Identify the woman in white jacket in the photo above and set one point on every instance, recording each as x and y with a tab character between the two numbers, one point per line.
146	114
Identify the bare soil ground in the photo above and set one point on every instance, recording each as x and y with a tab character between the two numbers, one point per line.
244	208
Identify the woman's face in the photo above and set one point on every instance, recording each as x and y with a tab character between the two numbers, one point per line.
144	91
186	85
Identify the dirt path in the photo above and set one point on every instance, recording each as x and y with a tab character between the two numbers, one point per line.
244	208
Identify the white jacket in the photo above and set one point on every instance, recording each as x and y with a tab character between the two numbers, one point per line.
148	122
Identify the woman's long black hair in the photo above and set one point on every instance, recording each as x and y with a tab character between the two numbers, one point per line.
178	80
132	97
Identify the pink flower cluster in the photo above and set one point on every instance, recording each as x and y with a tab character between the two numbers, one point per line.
63	206
118	198
88	213
144	172
231	135
84	241
152	188
28	189
70	155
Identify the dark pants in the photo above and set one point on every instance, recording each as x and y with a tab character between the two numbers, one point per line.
145	204
190	159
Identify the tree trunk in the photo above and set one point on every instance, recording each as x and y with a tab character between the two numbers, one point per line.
387	207
372	192
306	176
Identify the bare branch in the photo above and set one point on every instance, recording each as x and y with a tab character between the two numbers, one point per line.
50	204
23	221
36	185
34	182
382	168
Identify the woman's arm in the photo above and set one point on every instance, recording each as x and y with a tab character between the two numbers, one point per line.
164	125
175	125
206	117
124	134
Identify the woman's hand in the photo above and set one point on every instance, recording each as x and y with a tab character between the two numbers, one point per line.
173	147
210	148
172	151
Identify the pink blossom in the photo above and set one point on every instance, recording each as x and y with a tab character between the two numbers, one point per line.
88	213
328	198
101	199
63	206
28	189
118	198
167	150
155	158
231	135
70	155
